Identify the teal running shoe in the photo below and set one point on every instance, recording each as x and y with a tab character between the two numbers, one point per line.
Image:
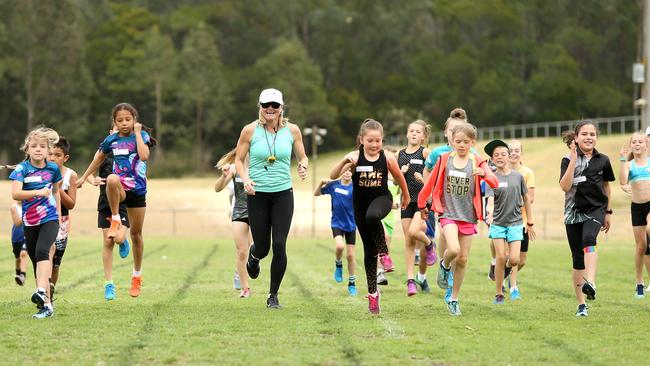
454	308
109	292
443	276
125	248
352	289
450	287
43	313
338	273
514	294
582	310
640	294
499	300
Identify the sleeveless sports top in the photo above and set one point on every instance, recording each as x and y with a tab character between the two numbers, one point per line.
270	176
639	173
239	207
65	186
415	161
370	179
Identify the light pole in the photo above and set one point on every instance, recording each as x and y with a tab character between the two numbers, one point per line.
317	135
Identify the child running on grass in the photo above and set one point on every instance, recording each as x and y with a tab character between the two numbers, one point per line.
344	230
60	154
411	161
372	200
454	187
504	213
18	242
585	174
238	216
128	181
635	171
36	183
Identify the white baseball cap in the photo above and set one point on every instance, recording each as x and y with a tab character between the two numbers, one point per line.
647	131
271	95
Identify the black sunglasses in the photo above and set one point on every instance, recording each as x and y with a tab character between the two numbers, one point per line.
274	105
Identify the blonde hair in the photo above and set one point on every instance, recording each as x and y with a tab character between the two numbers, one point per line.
630	155
227	158
261	120
512	142
51	136
426	128
467	128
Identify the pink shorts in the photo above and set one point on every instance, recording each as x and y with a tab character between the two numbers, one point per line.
464	227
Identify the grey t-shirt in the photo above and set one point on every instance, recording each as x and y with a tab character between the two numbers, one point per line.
508	198
458	193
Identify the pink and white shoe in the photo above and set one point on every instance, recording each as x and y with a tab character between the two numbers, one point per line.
411	289
386	262
245	293
373	303
431	254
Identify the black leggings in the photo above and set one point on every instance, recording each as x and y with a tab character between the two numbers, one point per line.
269	215
368	219
580	236
17	248
39	240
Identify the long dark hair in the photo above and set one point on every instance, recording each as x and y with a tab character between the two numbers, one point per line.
568	136
131	109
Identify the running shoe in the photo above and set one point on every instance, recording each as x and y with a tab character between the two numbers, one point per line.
373	303
514	294
352	289
253	266
125	248
582	310
43	313
443	277
39	298
431	253
338	273
424	285
386	262
245	293
116	225
639	291
411	288
417	259
381	278
236	283
491	272
589	289
272	302
20	279
454	308
499	300
136	285
109	291
450	287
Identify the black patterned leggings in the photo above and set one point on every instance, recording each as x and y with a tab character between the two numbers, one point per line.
368	219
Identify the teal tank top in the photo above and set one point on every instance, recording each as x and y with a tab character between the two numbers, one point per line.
275	176
639	173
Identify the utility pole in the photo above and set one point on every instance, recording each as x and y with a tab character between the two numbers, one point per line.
316	139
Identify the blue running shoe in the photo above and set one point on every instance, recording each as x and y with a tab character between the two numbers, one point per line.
640	294
582	310
352	289
338	273
454	308
443	276
43	313
125	248
450	286
448	295
514	294
499	300
109	292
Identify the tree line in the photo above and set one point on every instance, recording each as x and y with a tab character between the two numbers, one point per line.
194	68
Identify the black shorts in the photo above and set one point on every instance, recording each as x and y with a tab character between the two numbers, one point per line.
524	242
132	200
241	219
349	236
640	213
104	217
409	211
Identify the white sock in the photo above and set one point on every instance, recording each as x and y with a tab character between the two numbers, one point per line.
453	300
421	277
494	262
137	273
116	217
49	306
40	289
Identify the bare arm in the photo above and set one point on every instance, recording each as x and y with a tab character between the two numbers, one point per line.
348	162
56	191
15	217
226	176
323	183
623	173
243	145
143	149
489	208
18	194
69	199
531	195
567	179
608	217
299	146
98	159
528	225
395	170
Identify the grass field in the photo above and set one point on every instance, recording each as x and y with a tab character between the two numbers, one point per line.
188	313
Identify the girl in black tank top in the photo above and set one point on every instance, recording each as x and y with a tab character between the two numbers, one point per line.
372	200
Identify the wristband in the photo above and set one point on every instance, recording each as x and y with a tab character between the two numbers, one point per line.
529	224
622	159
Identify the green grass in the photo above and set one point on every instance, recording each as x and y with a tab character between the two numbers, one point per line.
188	313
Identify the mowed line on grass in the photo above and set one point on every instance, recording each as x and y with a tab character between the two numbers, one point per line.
188	313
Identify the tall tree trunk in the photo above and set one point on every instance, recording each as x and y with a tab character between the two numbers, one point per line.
158	151
29	91
198	143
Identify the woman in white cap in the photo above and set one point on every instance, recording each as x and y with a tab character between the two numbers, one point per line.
269	142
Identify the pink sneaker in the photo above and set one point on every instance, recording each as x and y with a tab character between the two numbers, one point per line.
245	293
386	262
373	303
431	253
411	289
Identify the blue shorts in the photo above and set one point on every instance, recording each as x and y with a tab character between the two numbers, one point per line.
509	233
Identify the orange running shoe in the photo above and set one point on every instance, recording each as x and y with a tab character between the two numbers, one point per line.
136	284
116	225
